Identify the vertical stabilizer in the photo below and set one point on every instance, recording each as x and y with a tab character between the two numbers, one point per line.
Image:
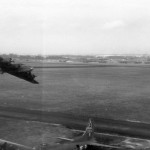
89	131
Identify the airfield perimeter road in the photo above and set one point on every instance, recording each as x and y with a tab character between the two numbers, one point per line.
102	125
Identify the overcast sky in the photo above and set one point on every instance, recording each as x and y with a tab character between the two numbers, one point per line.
75	26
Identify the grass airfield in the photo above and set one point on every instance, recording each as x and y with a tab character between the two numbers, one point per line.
108	92
121	92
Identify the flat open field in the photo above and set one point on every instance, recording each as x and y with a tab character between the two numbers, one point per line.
119	92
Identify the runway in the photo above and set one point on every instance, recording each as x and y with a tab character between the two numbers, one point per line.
102	125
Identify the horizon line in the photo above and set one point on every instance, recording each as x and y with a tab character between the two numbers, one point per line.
128	54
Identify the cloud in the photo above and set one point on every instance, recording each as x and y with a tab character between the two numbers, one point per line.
114	24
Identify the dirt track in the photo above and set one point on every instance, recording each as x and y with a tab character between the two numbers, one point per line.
126	128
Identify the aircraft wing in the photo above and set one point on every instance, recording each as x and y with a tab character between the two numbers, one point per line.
65	139
23	74
14	144
92	143
102	145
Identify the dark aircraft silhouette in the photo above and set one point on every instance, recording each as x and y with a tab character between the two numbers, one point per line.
81	142
17	69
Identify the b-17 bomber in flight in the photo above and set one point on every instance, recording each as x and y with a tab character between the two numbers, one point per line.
17	69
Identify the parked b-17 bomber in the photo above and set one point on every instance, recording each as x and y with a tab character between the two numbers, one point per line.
17	69
82	142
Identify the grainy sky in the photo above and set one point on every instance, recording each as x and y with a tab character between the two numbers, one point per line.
75	26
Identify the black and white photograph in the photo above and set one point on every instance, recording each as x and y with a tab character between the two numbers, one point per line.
74	74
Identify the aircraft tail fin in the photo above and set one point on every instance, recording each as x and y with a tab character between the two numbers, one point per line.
89	131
